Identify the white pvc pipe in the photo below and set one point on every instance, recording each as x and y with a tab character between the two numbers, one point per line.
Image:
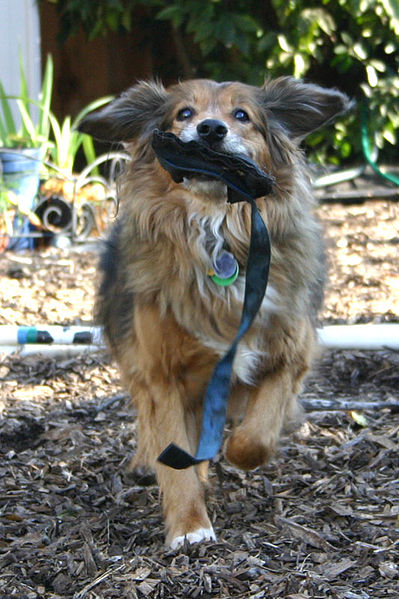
75	339
49	351
360	336
50	334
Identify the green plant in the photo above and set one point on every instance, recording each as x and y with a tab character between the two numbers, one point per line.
4	198
68	140
10	201
28	134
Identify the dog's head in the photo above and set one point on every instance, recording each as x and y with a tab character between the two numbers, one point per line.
265	123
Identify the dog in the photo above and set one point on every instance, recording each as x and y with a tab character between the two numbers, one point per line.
166	321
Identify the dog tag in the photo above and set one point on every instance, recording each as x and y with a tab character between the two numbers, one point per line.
225	269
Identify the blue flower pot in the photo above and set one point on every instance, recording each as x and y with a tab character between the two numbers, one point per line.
21	174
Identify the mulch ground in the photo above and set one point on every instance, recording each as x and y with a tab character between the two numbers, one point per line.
321	520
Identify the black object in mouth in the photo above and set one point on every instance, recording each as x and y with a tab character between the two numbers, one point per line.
242	176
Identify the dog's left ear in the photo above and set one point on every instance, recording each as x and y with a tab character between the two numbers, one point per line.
301	108
135	114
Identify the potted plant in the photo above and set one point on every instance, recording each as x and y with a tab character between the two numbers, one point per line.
67	141
24	145
65	207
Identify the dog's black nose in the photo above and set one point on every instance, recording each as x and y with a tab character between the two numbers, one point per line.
212	130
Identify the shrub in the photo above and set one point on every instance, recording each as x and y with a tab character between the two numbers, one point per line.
351	44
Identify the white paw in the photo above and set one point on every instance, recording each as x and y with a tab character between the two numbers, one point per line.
201	534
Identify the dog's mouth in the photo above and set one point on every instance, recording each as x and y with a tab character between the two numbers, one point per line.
192	159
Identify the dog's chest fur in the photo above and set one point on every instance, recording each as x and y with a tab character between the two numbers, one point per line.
223	305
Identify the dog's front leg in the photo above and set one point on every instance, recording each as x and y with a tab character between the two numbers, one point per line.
272	404
166	391
252	443
163	419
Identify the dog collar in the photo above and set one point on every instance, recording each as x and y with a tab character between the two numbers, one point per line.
245	181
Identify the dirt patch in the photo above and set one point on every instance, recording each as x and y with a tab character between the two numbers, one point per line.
320	520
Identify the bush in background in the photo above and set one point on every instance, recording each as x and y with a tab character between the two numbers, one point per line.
350	44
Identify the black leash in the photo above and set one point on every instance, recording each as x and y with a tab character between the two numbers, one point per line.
245	181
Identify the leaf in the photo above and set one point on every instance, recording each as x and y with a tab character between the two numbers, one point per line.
378	65
300	65
23	105
225	31
267	41
390	136
172	13
340	49
29	133
348	40
283	43
46	97
66	145
9	122
112	20
23	83
127	20
360	51
372	76
360	419
244	22
242	42
89	151
392	9
320	17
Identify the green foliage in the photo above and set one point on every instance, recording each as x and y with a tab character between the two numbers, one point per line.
211	25
350	44
60	141
97	17
4	200
68	140
28	134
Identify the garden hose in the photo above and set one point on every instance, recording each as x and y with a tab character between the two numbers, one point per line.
367	151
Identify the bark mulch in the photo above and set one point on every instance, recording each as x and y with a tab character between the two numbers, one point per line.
321	520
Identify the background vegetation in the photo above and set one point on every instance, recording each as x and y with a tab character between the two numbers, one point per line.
350	44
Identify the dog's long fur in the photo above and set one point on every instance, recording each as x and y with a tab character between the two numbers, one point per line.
166	321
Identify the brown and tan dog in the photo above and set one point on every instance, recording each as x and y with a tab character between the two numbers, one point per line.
166	320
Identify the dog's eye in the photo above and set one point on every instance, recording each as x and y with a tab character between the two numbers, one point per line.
241	115
185	113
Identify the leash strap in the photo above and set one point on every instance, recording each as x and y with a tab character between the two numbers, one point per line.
244	181
216	397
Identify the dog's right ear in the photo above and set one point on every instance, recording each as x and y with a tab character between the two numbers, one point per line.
136	113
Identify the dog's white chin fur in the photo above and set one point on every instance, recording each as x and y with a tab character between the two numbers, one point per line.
201	534
215	190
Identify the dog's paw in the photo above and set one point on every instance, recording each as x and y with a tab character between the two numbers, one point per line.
139	472
201	534
246	453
